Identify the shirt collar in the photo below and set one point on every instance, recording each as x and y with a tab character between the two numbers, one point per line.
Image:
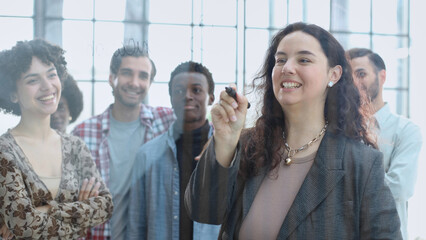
383	113
146	117
175	132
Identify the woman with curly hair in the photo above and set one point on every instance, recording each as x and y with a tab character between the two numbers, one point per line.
69	107
309	168
49	185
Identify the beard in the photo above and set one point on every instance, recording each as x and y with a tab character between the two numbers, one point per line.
122	100
373	90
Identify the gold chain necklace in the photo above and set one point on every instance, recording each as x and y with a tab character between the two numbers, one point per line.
292	152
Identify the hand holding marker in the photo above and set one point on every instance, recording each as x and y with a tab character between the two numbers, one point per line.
232	93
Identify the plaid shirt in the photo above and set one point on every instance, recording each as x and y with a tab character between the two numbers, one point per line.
94	132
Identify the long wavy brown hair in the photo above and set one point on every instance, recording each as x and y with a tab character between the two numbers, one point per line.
343	109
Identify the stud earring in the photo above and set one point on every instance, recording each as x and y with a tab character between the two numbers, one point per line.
13	98
330	84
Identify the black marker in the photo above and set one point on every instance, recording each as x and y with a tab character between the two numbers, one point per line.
231	92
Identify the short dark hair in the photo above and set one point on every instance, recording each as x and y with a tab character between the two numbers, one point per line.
377	61
130	51
191	66
74	97
17	61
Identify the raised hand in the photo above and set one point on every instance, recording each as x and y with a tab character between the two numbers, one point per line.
228	117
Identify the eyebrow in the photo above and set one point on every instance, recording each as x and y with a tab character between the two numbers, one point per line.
303	52
179	84
125	70
131	70
36	74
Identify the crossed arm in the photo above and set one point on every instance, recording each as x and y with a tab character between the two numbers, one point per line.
69	218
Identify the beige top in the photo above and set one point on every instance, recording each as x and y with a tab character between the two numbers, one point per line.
274	198
52	184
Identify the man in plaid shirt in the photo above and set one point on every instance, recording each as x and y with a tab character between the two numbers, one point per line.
114	136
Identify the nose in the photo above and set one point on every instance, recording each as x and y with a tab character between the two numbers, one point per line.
288	68
134	81
45	84
188	94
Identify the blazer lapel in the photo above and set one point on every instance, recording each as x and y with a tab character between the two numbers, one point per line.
325	173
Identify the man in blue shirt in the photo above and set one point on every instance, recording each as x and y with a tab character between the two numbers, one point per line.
399	139
164	165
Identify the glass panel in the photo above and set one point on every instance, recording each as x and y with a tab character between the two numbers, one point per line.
351	16
158	95
86	89
257	14
218	87
133	33
397	101
257	42
353	40
17	7
219	53
134	10
103	97
394	52
295	11
110	10
77	41
197	44
168	47
170	11
105	49
279	13
392	20
317	12
53	8
53	30
78	9
261	14
219	12
17	29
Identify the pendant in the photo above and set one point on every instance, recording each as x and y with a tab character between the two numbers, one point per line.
288	161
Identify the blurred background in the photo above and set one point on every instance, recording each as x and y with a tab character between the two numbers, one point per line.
230	37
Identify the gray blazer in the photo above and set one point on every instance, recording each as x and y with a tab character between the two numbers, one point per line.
343	196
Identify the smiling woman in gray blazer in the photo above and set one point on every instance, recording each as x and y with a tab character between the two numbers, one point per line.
309	168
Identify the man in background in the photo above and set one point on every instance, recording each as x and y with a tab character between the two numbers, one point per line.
399	139
114	136
164	165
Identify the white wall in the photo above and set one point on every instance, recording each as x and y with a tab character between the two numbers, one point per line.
417	206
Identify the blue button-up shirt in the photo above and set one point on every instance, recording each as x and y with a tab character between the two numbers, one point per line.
400	141
154	193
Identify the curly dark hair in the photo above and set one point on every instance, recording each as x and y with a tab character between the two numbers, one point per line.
343	109
192	67
17	61
74	97
130	51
